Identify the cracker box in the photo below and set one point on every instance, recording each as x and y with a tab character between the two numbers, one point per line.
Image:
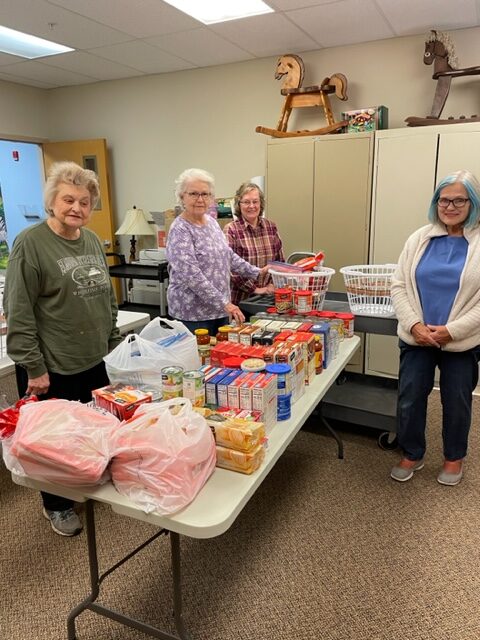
120	399
369	119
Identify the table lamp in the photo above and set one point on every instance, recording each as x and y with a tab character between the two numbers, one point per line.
135	224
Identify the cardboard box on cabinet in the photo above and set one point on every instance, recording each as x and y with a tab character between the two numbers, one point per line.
368	119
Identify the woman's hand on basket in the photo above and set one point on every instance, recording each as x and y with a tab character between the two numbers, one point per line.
269	288
264	270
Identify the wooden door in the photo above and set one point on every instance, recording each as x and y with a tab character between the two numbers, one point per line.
90	154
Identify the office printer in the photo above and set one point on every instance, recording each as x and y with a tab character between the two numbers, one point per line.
148	291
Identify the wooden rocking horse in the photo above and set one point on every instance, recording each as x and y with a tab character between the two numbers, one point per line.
290	67
440	50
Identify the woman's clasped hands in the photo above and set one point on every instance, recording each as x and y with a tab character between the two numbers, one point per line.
431	335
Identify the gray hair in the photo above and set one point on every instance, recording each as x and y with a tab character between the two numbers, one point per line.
244	188
191	175
69	173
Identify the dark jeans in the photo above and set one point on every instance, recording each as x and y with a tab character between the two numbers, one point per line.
211	325
77	386
458	379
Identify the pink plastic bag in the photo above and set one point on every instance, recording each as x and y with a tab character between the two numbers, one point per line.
163	456
62	442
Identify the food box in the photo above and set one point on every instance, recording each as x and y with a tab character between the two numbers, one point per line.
237	433
120	399
368	119
241	461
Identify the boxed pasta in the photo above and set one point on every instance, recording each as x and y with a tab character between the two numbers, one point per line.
241	461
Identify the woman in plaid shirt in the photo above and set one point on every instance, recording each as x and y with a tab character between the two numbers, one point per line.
253	238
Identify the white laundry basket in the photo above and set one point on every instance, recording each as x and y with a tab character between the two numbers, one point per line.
369	288
314	281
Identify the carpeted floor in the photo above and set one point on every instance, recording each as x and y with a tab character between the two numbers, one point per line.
327	549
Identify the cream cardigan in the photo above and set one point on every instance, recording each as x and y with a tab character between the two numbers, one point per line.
464	320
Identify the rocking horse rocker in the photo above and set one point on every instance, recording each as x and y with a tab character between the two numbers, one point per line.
290	67
440	50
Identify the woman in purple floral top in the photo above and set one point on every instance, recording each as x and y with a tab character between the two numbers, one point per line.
199	259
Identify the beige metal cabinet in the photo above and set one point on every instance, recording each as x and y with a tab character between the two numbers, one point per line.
318	192
408	164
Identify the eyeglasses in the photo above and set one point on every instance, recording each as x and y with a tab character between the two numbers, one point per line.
247	203
458	203
199	194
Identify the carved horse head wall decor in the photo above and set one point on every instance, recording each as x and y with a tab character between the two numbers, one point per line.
291	70
440	51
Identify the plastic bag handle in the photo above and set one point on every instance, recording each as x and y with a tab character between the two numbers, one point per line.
166	321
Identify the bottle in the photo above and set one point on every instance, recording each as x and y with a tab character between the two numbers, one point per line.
203	344
222	334
318	355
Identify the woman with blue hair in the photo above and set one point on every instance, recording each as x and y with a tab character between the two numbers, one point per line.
436	296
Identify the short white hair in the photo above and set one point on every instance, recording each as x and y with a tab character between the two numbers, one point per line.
191	175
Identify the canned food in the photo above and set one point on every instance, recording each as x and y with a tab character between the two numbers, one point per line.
172	382
283	300
253	364
303	301
348	322
194	387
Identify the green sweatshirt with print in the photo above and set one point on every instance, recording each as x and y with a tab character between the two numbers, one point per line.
59	302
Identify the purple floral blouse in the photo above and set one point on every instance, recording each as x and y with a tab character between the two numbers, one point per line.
199	266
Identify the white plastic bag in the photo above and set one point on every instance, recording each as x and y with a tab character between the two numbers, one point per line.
163	456
176	340
137	362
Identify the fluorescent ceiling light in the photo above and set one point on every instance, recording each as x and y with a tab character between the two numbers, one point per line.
212	11
26	46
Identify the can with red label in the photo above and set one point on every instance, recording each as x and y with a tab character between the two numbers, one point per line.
283	300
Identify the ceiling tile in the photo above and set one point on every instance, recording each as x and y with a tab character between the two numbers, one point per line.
289	5
26	81
91	65
6	58
142	56
343	23
140	18
44	73
410	16
202	47
70	29
250	34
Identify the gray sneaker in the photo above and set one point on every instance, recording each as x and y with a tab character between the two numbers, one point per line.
402	474
65	523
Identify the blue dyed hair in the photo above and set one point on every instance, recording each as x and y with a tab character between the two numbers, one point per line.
472	187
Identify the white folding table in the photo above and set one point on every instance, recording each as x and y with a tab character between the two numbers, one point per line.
210	514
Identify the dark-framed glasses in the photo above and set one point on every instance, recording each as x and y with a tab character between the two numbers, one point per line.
199	194
458	203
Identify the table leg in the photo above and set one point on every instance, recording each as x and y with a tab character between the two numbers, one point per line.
96	580
177	586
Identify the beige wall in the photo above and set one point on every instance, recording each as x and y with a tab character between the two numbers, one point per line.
158	125
23	111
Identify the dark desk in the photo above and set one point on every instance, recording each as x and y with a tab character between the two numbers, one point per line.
334	301
131	271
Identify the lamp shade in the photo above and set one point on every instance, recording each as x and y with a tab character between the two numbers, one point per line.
135	224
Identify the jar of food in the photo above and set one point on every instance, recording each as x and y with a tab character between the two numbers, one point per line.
202	336
222	333
348	323
303	301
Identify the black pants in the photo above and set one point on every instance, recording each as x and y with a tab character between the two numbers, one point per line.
77	386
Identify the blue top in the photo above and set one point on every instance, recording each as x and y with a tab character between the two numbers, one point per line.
438	277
